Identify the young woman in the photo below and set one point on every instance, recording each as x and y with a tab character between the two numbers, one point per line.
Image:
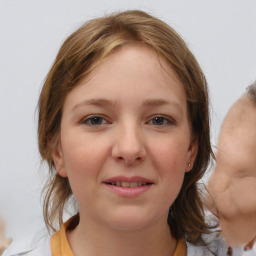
124	127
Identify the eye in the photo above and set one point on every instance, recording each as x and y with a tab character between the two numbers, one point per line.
160	121
94	120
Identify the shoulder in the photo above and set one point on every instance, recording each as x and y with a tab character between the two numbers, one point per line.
215	242
30	247
213	239
216	246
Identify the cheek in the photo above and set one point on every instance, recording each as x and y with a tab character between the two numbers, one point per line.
170	155
83	158
169	160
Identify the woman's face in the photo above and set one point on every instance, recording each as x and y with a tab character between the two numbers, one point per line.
125	141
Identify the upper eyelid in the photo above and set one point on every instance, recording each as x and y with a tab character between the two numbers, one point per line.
168	118
87	118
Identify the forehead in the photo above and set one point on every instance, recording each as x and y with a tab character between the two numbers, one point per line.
132	71
136	55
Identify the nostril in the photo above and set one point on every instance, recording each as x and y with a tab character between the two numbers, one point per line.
130	160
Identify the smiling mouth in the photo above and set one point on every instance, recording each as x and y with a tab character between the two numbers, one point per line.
125	184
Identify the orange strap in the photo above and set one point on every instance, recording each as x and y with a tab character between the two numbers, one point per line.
181	249
59	243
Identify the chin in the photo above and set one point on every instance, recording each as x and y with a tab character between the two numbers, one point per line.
133	221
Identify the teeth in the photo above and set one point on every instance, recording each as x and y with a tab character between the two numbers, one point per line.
125	184
133	184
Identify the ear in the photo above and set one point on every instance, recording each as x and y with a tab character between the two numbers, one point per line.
58	159
191	154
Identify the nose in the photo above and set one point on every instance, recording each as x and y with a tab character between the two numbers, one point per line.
129	146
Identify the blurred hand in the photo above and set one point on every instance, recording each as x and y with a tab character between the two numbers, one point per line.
4	243
232	186
233	201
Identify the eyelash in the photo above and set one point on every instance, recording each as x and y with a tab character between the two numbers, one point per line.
91	117
164	119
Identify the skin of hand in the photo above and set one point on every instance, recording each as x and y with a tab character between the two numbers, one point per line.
4	243
232	187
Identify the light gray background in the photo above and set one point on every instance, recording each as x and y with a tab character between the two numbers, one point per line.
222	35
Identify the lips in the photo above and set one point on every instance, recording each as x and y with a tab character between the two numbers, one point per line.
126	182
128	186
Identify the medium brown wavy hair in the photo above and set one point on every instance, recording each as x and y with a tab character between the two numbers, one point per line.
78	56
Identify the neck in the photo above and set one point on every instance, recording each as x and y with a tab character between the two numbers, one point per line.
92	238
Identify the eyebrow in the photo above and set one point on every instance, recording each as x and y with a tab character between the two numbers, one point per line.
162	102
156	102
101	102
97	102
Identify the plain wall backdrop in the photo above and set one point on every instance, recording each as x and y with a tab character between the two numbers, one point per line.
221	34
